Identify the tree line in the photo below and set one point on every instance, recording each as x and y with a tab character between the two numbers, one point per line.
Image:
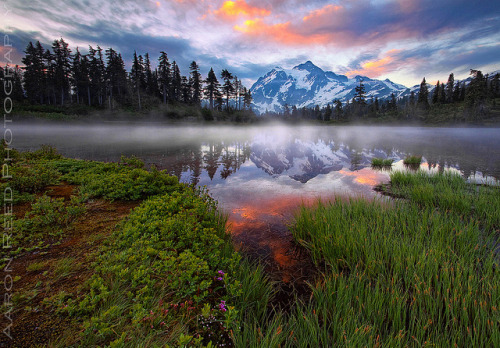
456	100
99	79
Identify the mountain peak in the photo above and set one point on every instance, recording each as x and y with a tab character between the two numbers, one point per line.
309	66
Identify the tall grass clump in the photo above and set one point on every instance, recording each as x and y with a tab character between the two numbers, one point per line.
404	273
412	160
380	162
450	192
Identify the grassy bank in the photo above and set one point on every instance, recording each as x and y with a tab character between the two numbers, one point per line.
167	274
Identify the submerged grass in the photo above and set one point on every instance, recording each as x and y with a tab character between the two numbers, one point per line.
412	160
380	162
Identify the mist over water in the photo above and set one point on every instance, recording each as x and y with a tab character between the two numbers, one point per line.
261	174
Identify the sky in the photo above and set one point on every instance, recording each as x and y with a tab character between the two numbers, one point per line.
403	40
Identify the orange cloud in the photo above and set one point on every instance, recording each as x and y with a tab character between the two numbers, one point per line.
280	32
234	9
377	67
326	10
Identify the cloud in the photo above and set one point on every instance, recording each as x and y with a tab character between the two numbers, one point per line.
280	32
377	67
324	11
239	8
362	22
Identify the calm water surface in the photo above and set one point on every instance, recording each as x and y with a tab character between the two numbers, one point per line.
261	174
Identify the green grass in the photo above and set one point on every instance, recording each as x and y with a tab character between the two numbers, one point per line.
37	266
380	162
65	267
404	273
413	160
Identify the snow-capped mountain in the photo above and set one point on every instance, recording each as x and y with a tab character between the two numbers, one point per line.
307	85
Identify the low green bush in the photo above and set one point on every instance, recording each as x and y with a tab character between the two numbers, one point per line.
167	272
45	222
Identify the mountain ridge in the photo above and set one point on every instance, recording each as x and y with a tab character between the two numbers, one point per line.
307	85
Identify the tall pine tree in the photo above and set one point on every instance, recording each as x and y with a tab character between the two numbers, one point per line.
195	83
211	88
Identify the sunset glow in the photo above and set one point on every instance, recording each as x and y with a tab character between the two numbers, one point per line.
403	40
327	10
375	68
238	8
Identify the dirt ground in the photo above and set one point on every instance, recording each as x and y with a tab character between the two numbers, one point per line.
34	322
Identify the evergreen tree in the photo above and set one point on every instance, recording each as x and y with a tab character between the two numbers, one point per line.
449	88
34	72
338	109
176	82
435	94
238	92
211	88
393	103
185	90
495	85
77	74
462	92
412	98
227	86
49	85
360	94
456	92
62	71
247	98
476	90
97	73
136	74
164	75
328	112
151	85
442	94
423	95
116	75
195	83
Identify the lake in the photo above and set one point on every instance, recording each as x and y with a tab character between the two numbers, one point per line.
261	174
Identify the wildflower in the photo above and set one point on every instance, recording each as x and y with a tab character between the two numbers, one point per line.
220	272
220	278
222	306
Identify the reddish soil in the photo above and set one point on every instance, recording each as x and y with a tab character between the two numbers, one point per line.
34	323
